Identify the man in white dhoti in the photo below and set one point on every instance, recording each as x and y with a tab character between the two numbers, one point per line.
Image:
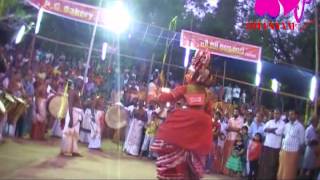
85	126
70	133
96	130
134	137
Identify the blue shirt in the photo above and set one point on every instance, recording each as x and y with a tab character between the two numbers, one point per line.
256	128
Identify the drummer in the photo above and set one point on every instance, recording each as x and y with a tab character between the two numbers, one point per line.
70	133
97	123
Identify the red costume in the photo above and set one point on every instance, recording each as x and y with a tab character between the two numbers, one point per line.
185	137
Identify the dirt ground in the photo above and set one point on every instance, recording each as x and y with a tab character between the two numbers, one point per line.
20	158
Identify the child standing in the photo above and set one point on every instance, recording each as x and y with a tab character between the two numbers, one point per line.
254	151
234	163
245	138
151	129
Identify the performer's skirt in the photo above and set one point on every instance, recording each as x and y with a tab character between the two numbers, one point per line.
268	163
235	164
176	163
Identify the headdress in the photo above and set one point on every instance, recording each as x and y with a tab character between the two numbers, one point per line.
199	71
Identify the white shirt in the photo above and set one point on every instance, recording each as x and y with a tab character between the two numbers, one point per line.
311	134
293	136
236	92
243	97
274	140
228	90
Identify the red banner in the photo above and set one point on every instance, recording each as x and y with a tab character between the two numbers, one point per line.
69	9
219	46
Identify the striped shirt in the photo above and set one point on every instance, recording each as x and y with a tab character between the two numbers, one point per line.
293	136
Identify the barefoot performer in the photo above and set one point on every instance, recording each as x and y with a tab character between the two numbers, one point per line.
185	137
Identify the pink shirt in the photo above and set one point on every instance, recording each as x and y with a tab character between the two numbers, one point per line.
234	123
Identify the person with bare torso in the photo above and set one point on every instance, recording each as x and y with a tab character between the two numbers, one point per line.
70	133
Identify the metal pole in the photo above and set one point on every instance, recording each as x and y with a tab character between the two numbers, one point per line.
91	43
224	72
317	55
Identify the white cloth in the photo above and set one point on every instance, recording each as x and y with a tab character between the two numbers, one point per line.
243	97
228	94
134	137
85	126
56	129
95	136
235	123
148	140
274	140
236	92
70	135
293	136
311	134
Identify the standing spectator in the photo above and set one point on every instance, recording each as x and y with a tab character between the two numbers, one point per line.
29	89
234	126
311	141
228	93
135	133
291	146
269	160
245	137
254	151
40	114
151	129
236	94
257	126
215	133
243	97
234	163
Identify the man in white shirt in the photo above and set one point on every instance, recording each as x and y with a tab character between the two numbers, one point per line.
291	146
269	159
228	93
311	141
234	126
236	94
243	97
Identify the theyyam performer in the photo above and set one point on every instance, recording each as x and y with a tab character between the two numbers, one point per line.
185	137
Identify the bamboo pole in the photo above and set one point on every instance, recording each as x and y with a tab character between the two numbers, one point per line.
317	56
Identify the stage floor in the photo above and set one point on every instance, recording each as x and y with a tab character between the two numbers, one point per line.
22	158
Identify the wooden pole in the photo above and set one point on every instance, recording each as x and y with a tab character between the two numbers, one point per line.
317	56
224	72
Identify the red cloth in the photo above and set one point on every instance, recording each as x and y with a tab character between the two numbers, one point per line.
190	128
176	163
254	150
38	130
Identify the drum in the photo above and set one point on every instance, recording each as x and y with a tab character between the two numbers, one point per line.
17	111
116	117
7	102
58	106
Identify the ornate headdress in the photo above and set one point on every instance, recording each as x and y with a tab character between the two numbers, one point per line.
199	71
